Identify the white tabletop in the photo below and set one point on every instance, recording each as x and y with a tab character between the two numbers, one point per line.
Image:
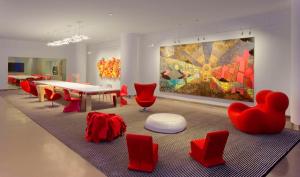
84	88
22	77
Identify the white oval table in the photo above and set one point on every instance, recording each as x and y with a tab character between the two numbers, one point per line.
165	123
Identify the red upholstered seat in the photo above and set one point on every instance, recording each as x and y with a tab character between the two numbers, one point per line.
145	94
74	103
25	86
143	154
52	96
268	116
103	127
209	151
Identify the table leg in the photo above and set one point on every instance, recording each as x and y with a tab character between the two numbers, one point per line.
86	103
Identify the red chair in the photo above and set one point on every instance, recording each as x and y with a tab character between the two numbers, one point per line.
25	86
209	151
143	153
33	89
52	96
123	93
268	116
74	105
145	94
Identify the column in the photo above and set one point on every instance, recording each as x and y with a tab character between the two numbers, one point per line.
129	60
295	63
78	63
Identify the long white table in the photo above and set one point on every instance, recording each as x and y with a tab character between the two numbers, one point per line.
86	91
22	77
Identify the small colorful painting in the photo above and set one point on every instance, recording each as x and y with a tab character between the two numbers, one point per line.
109	68
220	69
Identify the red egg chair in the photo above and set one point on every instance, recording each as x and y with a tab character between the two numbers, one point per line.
52	96
209	151
143	153
25	86
145	94
267	117
74	105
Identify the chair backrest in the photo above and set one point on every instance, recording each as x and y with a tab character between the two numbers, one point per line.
277	102
140	148
144	91
215	143
49	93
67	95
124	90
261	96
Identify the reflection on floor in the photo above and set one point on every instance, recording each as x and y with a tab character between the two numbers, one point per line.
49	157
27	150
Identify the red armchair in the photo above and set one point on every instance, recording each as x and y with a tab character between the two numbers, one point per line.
268	116
209	151
52	96
74	105
123	93
145	94
143	153
33	89
25	86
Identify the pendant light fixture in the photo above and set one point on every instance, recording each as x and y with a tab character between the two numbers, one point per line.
77	37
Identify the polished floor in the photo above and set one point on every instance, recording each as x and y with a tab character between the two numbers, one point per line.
27	150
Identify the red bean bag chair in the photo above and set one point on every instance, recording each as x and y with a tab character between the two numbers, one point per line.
268	116
103	127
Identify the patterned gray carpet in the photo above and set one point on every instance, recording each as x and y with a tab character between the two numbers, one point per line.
245	155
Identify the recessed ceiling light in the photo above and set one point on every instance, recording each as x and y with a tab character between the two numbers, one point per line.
110	14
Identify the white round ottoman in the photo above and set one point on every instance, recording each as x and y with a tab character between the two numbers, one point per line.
165	123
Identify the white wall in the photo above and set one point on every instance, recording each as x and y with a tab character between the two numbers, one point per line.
18	48
272	50
105	50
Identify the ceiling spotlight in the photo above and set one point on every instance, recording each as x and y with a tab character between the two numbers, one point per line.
198	38
203	38
110	14
250	32
242	33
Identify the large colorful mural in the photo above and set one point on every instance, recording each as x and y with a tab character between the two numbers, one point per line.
109	68
221	69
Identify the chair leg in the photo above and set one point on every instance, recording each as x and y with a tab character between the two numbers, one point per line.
144	110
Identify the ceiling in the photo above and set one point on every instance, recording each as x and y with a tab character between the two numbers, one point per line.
43	20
